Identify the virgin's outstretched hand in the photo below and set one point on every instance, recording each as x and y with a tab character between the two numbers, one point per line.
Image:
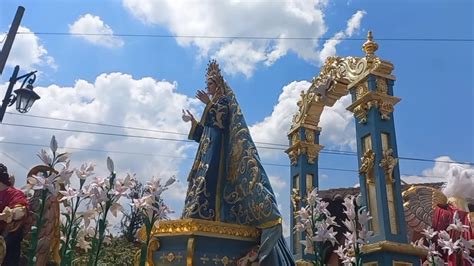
187	116
202	96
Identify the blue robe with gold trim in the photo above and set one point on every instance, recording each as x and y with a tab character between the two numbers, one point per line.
227	182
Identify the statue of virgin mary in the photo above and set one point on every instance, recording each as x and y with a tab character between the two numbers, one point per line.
227	182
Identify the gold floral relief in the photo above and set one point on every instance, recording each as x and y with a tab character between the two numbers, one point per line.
295	138
361	90
381	85
295	199
309	134
367	166
385	110
388	164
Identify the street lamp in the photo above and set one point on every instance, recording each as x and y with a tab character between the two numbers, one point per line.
24	98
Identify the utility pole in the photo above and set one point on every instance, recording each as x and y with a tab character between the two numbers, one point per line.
10	37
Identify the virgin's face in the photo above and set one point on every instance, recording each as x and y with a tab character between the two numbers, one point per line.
211	87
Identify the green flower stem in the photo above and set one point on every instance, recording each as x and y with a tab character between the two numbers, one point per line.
103	222
71	226
93	246
144	248
35	231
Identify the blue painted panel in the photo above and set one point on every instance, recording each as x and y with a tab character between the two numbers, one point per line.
207	250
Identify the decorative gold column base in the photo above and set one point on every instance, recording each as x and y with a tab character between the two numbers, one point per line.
193	242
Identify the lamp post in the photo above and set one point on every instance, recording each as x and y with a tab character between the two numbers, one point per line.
25	96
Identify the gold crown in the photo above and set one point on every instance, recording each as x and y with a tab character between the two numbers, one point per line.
213	71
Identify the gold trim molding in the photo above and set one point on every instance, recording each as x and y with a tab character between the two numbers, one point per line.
383	102
204	228
394	247
311	150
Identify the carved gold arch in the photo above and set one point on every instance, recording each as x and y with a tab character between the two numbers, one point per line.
337	76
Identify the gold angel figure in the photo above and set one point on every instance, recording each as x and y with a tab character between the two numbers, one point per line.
49	235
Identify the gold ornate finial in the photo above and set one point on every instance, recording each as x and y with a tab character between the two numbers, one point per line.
370	46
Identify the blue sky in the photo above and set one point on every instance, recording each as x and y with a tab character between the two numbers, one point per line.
154	78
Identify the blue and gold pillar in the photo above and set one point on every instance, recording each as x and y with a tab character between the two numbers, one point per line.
303	152
379	174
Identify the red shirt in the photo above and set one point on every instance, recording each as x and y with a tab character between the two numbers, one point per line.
12	197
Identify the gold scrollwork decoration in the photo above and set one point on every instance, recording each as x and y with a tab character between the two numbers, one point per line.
367	166
293	157
311	153
383	102
388	164
311	150
197	200
336	77
385	109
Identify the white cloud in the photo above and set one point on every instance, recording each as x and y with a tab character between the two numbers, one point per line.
177	192
90	24
274	128
459	178
144	103
336	122
277	183
239	18
338	125
28	52
353	25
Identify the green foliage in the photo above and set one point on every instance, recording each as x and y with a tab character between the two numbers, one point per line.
132	221
118	252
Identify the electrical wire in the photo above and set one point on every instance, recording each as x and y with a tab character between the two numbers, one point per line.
249	37
179	157
282	147
15	160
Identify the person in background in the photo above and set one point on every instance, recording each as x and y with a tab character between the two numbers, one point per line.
13	211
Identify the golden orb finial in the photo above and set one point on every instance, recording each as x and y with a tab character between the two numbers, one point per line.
370	46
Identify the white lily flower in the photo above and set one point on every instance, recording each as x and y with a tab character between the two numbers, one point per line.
44	157
429	233
457	225
69	193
